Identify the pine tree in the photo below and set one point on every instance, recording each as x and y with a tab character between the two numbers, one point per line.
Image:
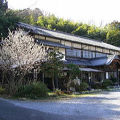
3	5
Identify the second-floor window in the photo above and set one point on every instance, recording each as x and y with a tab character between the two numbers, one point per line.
100	55
73	52
83	53
88	54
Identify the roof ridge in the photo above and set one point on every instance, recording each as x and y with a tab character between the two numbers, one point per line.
63	32
75	38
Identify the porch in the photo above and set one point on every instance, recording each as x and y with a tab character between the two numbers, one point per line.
99	69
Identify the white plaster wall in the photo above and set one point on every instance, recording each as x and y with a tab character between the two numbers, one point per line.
62	50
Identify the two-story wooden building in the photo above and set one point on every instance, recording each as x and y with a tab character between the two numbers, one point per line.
91	55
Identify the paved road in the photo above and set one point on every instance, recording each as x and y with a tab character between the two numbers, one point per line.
9	111
104	106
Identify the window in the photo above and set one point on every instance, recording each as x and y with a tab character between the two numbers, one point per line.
73	52
92	54
78	53
88	54
85	54
100	55
70	52
97	54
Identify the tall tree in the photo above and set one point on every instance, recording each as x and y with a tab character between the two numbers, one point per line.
3	5
53	66
8	20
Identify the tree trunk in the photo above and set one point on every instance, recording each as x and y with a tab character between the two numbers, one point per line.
43	77
53	82
12	83
3	77
35	75
56	81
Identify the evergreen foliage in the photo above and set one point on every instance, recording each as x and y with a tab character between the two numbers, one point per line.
53	66
33	90
8	22
3	5
8	18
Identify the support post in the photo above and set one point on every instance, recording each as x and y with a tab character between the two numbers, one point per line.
43	77
118	76
35	75
56	79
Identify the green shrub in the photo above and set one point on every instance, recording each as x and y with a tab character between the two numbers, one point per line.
96	85
106	83
34	90
114	80
2	90
82	87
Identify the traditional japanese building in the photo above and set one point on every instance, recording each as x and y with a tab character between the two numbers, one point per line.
92	56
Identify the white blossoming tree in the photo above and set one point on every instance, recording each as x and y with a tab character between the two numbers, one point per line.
19	54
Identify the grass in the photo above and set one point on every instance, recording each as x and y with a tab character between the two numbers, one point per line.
53	97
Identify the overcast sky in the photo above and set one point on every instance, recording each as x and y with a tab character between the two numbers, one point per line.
86	11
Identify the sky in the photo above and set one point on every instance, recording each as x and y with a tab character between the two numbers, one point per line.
97	12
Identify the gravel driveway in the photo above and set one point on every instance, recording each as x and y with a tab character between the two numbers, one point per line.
104	106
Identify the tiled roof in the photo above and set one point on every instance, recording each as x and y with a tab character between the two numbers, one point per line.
49	43
90	70
78	62
103	60
94	62
66	36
